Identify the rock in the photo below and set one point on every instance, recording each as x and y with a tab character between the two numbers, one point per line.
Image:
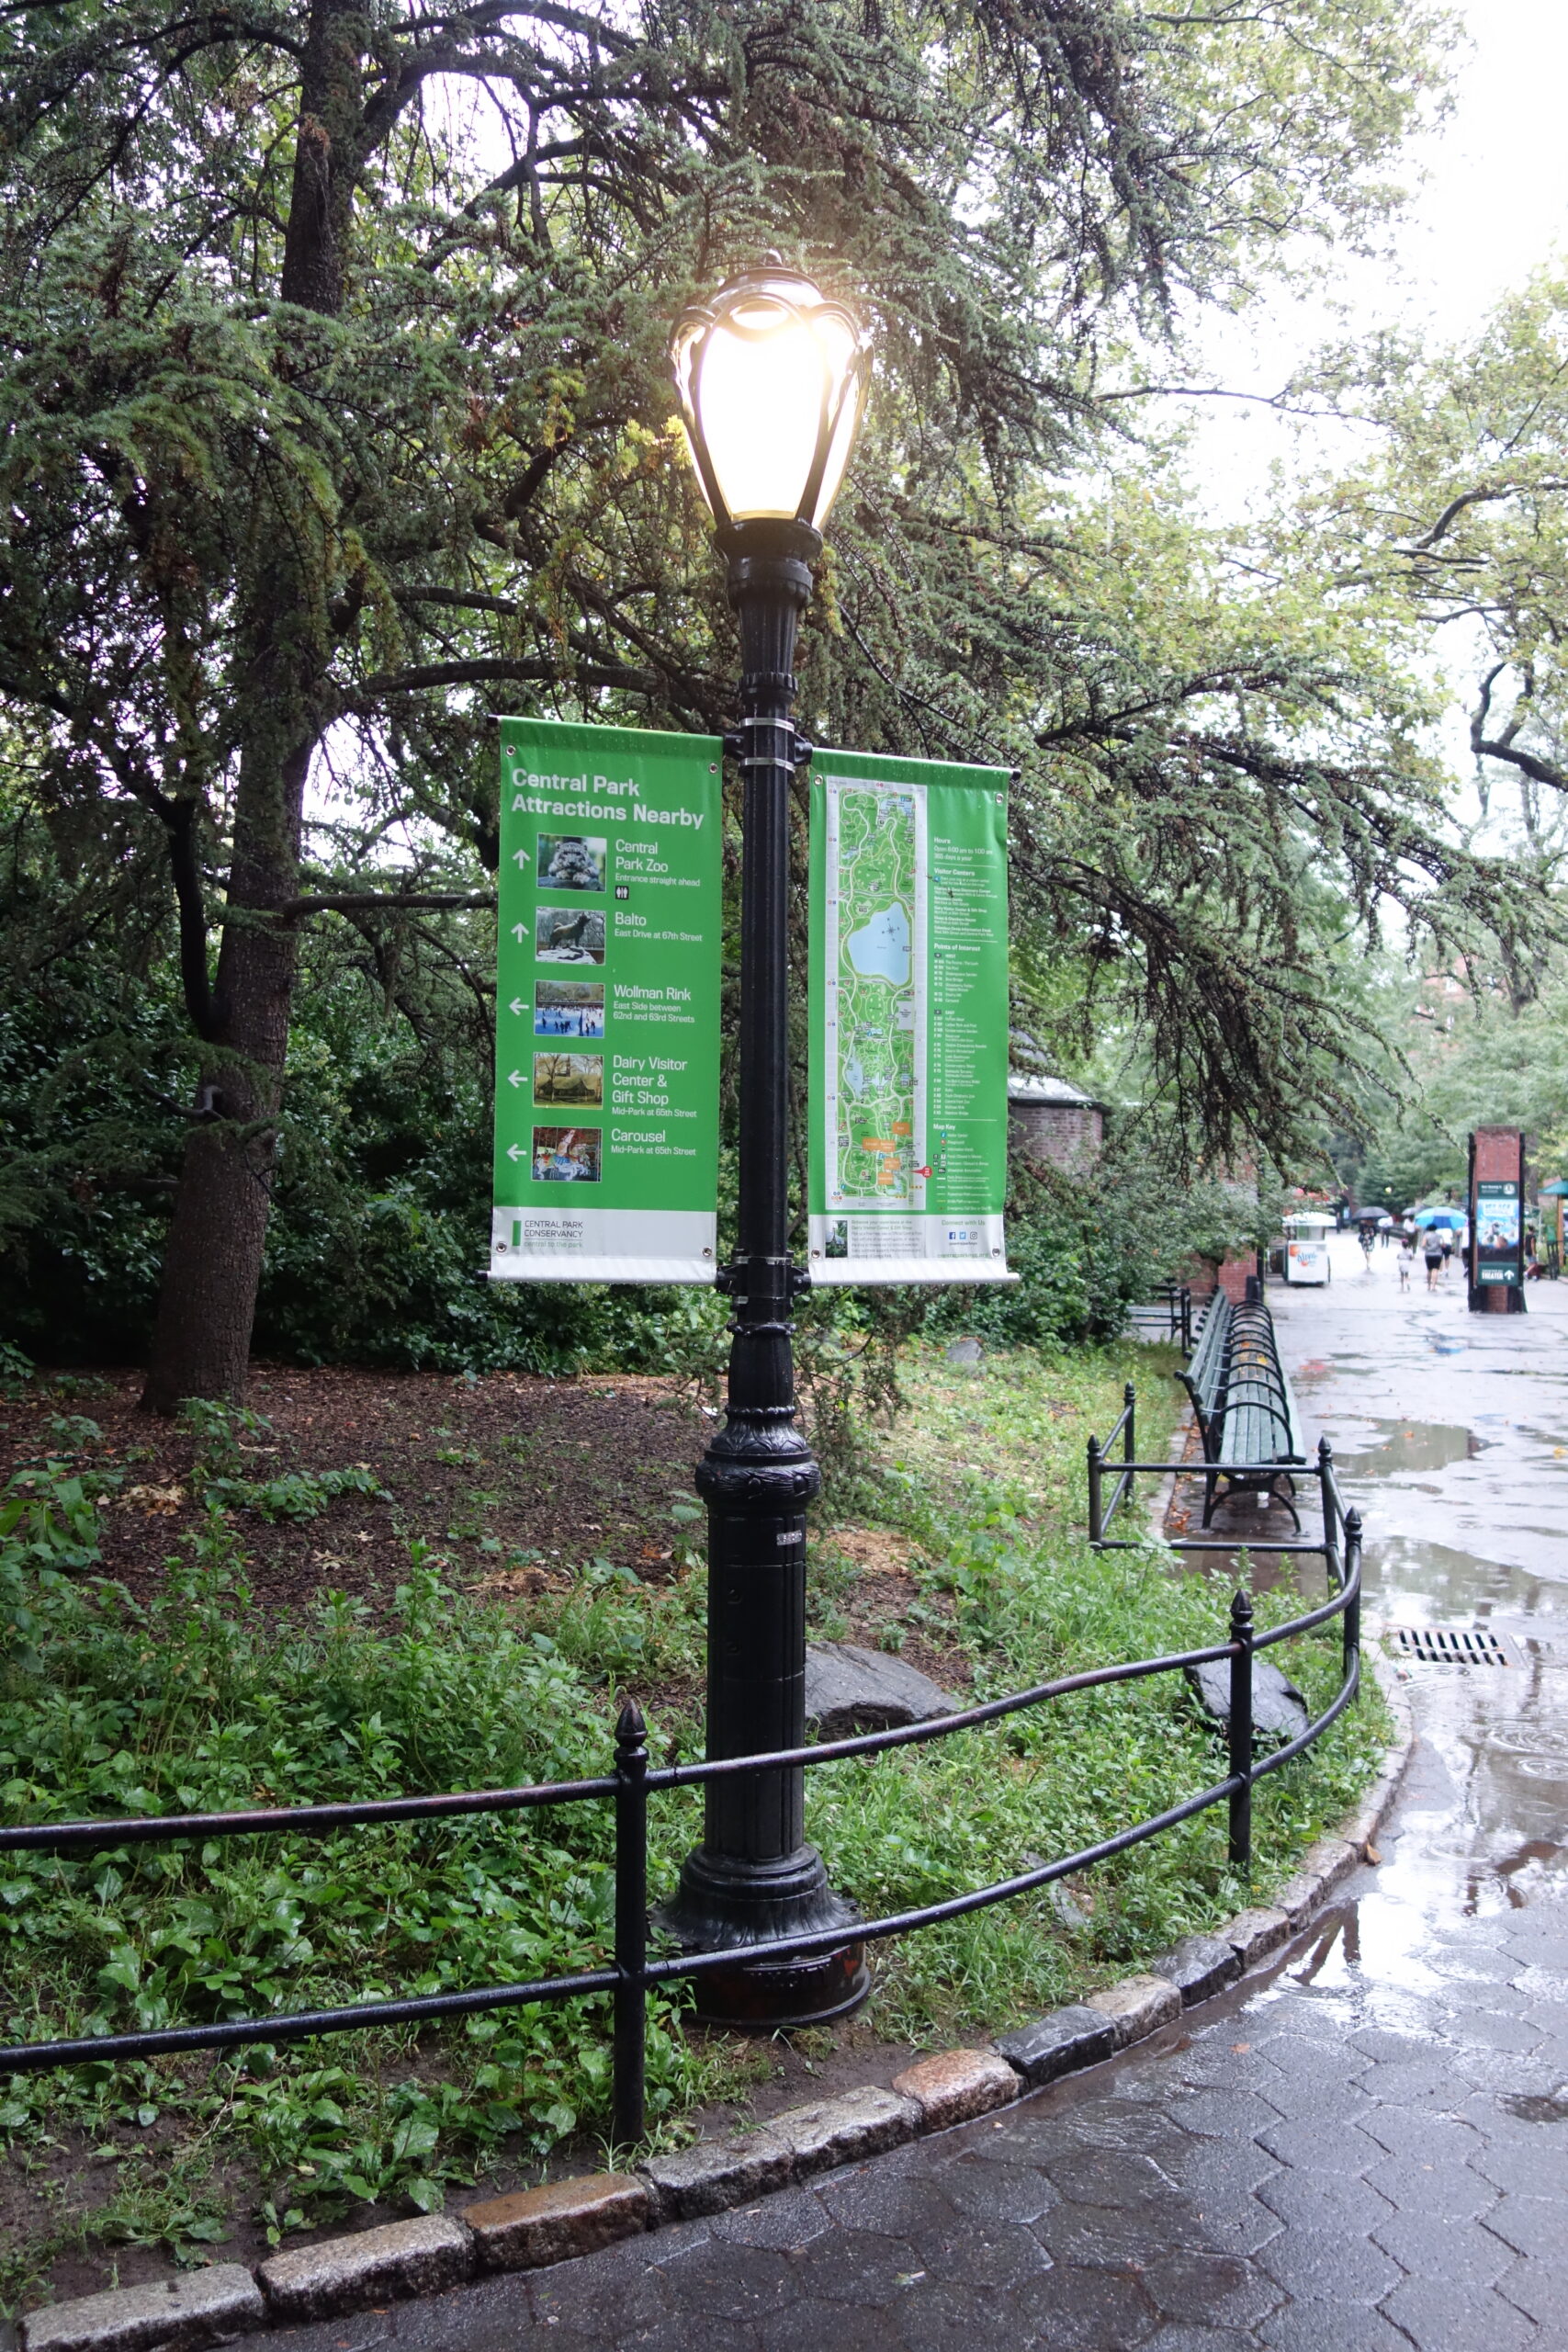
851	1690
1278	1711
354	2273
1058	2044
1059	1899
209	2306
956	2085
557	2220
965	1352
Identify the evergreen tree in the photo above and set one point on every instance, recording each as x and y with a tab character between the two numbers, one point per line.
335	421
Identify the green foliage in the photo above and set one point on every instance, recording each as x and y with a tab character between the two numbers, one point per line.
998	1557
196	1701
1085	1248
305	487
199	1699
1480	1057
1457	521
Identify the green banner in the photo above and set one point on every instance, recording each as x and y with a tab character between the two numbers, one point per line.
1497	1220
607	1064
909	1021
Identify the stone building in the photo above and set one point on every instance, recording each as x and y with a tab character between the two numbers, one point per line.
1052	1121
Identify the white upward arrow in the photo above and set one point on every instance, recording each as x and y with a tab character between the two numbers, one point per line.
514	1151
516	1077
521	856
519	929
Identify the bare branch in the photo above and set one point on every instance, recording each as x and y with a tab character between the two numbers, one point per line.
349	902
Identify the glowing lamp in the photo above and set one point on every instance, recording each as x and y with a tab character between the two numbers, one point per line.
771	374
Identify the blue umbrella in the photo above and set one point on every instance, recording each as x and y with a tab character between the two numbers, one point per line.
1454	1218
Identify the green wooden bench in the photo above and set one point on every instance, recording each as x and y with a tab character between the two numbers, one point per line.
1258	1441
1204	1378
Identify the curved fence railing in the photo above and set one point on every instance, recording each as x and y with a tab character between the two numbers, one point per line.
633	1781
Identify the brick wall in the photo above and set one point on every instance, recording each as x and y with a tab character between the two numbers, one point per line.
1069	1135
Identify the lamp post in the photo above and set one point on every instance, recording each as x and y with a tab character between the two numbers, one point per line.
771	377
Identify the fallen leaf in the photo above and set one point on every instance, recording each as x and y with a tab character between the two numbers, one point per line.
1372	1854
157	1499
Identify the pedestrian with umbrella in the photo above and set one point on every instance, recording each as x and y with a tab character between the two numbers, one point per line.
1438	1226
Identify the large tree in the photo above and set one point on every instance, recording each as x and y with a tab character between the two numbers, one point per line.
1458	520
334	420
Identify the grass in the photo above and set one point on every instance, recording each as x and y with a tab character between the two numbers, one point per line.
197	1700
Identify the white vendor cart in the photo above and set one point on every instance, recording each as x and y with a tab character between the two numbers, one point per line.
1307	1247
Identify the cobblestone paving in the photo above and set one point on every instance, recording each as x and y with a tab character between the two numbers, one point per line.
1367	2150
1334	2164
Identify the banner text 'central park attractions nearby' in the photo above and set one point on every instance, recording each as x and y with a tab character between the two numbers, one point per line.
607	1020
909	1021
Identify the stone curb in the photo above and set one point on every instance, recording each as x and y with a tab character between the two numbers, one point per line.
1159	1503
567	2218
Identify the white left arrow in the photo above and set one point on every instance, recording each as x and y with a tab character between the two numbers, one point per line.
514	1151
517	1005
516	1077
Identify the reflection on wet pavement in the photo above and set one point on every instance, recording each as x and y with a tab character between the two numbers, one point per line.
1418	1445
1364	2152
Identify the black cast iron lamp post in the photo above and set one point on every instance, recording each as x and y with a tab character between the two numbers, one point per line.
773	377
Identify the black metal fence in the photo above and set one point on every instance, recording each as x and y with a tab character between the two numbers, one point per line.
633	1781
1166	1315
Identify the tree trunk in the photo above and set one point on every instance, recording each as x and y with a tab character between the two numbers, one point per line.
212	1260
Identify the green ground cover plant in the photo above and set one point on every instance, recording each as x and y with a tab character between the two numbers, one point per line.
194	1697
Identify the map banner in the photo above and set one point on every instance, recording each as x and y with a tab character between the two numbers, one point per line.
909	1021
606	1071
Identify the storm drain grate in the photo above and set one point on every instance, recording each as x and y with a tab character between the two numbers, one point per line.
1449	1644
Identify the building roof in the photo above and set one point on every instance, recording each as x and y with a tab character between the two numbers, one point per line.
1033	1086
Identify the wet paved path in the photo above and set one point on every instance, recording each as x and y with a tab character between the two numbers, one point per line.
1371	2150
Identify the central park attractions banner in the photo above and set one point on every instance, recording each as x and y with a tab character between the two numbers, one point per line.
909	1021
607	1005
608	1021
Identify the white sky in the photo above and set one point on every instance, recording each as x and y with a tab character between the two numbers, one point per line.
1491	205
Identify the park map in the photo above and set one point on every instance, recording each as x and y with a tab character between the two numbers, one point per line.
878	994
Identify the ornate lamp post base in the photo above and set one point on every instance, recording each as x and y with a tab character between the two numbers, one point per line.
781	1996
724	1899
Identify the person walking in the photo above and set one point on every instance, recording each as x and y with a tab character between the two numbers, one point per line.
1433	1253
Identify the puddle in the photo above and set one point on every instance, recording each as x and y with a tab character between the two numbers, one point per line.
1412	1446
1486	1815
1533	2107
1420	1582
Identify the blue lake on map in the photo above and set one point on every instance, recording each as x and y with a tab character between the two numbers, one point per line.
879	950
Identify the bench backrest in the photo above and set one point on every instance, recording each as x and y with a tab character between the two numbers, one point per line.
1204	1378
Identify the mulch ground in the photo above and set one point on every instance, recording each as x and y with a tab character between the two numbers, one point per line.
486	1471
